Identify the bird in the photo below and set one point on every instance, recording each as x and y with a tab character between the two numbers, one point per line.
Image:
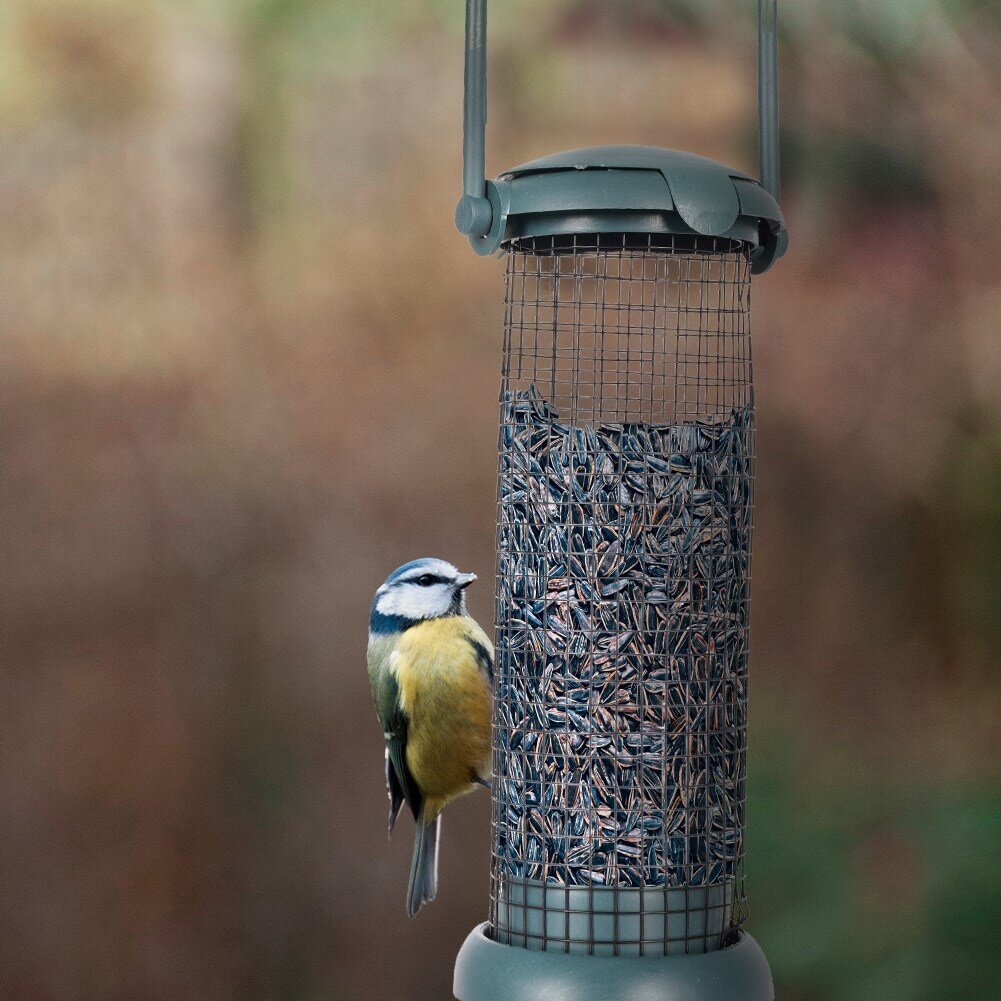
431	669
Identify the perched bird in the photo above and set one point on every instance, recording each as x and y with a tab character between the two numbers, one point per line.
431	669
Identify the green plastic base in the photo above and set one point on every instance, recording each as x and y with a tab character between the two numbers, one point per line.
488	971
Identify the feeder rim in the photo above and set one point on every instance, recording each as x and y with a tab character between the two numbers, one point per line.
632	190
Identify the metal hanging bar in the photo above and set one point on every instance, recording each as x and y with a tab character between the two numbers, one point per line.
473	214
768	96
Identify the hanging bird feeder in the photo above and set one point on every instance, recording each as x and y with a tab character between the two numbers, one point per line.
624	532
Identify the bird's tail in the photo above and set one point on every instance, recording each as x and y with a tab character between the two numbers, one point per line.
423	886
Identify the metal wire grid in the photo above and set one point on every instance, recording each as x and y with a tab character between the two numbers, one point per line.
647	333
623	567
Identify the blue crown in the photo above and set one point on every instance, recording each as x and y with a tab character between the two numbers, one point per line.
407	567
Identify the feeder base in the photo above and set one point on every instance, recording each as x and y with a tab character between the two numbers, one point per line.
488	971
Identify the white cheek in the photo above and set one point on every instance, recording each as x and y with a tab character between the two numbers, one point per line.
441	598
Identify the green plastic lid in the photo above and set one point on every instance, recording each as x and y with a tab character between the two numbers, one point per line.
633	190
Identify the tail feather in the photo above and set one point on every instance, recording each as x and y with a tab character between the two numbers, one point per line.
423	885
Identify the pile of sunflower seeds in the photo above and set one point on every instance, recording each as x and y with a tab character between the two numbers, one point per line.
622	654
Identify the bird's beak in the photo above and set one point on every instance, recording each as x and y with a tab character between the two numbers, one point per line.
464	580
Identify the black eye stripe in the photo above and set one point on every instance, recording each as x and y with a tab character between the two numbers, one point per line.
428	579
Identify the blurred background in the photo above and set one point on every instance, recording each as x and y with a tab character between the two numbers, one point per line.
249	367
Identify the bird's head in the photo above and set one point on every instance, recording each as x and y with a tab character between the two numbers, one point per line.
421	589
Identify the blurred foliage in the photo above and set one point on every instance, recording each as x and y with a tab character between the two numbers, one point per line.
870	889
249	366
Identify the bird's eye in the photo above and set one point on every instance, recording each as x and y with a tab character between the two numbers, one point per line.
426	579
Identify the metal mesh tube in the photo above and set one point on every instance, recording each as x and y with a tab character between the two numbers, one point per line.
624	530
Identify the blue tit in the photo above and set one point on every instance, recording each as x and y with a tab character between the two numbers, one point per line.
431	668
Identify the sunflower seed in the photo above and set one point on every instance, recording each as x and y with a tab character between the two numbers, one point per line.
621	676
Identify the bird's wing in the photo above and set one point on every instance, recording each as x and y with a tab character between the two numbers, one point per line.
399	782
482	648
484	658
395	791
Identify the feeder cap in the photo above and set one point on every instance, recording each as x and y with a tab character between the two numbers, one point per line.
633	190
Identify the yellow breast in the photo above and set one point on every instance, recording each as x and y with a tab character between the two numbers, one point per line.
446	695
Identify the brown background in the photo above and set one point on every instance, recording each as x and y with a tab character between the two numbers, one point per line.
249	367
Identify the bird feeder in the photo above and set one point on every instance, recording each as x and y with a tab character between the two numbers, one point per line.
624	536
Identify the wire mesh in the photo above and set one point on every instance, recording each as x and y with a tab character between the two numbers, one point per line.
624	530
